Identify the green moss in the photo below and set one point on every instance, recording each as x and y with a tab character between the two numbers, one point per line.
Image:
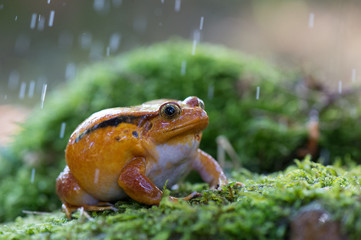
262	209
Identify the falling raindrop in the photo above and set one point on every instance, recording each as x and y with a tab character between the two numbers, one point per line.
108	51
62	130
162	1
33	20
22	90
177	5
5	97
32	176
41	23
22	43
96	176
210	91
48	1
31	89
339	87
16	18
13	80
183	67
40	84
117	3
99	5
353	78
51	18
43	93
257	93
140	24
311	20
96	51
114	41
85	40
201	23
70	71
65	40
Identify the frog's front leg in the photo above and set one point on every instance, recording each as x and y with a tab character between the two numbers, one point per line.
74	197
209	170
139	187
136	185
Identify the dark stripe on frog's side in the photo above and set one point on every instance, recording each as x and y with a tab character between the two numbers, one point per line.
115	121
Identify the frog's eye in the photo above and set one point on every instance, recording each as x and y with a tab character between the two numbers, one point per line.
170	110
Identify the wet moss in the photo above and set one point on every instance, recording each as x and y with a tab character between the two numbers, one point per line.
262	209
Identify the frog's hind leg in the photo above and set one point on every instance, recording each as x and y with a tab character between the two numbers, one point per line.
74	197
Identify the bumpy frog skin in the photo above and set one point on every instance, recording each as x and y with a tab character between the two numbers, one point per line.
133	152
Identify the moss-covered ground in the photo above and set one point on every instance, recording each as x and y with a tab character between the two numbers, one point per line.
263	209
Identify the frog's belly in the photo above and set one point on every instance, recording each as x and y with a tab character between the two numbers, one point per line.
171	174
173	163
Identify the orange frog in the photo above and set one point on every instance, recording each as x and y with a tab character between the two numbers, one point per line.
133	152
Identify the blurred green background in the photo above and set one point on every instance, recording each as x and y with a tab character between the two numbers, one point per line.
320	37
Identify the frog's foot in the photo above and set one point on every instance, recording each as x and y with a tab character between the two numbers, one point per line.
192	195
74	197
187	198
100	206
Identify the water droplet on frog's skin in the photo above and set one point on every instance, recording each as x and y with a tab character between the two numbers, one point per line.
96	176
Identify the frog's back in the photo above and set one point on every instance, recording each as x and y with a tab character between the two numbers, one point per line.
101	146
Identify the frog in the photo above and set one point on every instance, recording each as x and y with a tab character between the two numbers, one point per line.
134	152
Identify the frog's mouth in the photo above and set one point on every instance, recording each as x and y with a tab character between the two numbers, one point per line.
194	127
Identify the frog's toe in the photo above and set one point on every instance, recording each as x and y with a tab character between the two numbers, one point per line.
101	206
192	195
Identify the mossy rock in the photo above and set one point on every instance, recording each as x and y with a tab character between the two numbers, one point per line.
267	207
266	131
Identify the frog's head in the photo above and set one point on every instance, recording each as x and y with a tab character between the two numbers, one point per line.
175	119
